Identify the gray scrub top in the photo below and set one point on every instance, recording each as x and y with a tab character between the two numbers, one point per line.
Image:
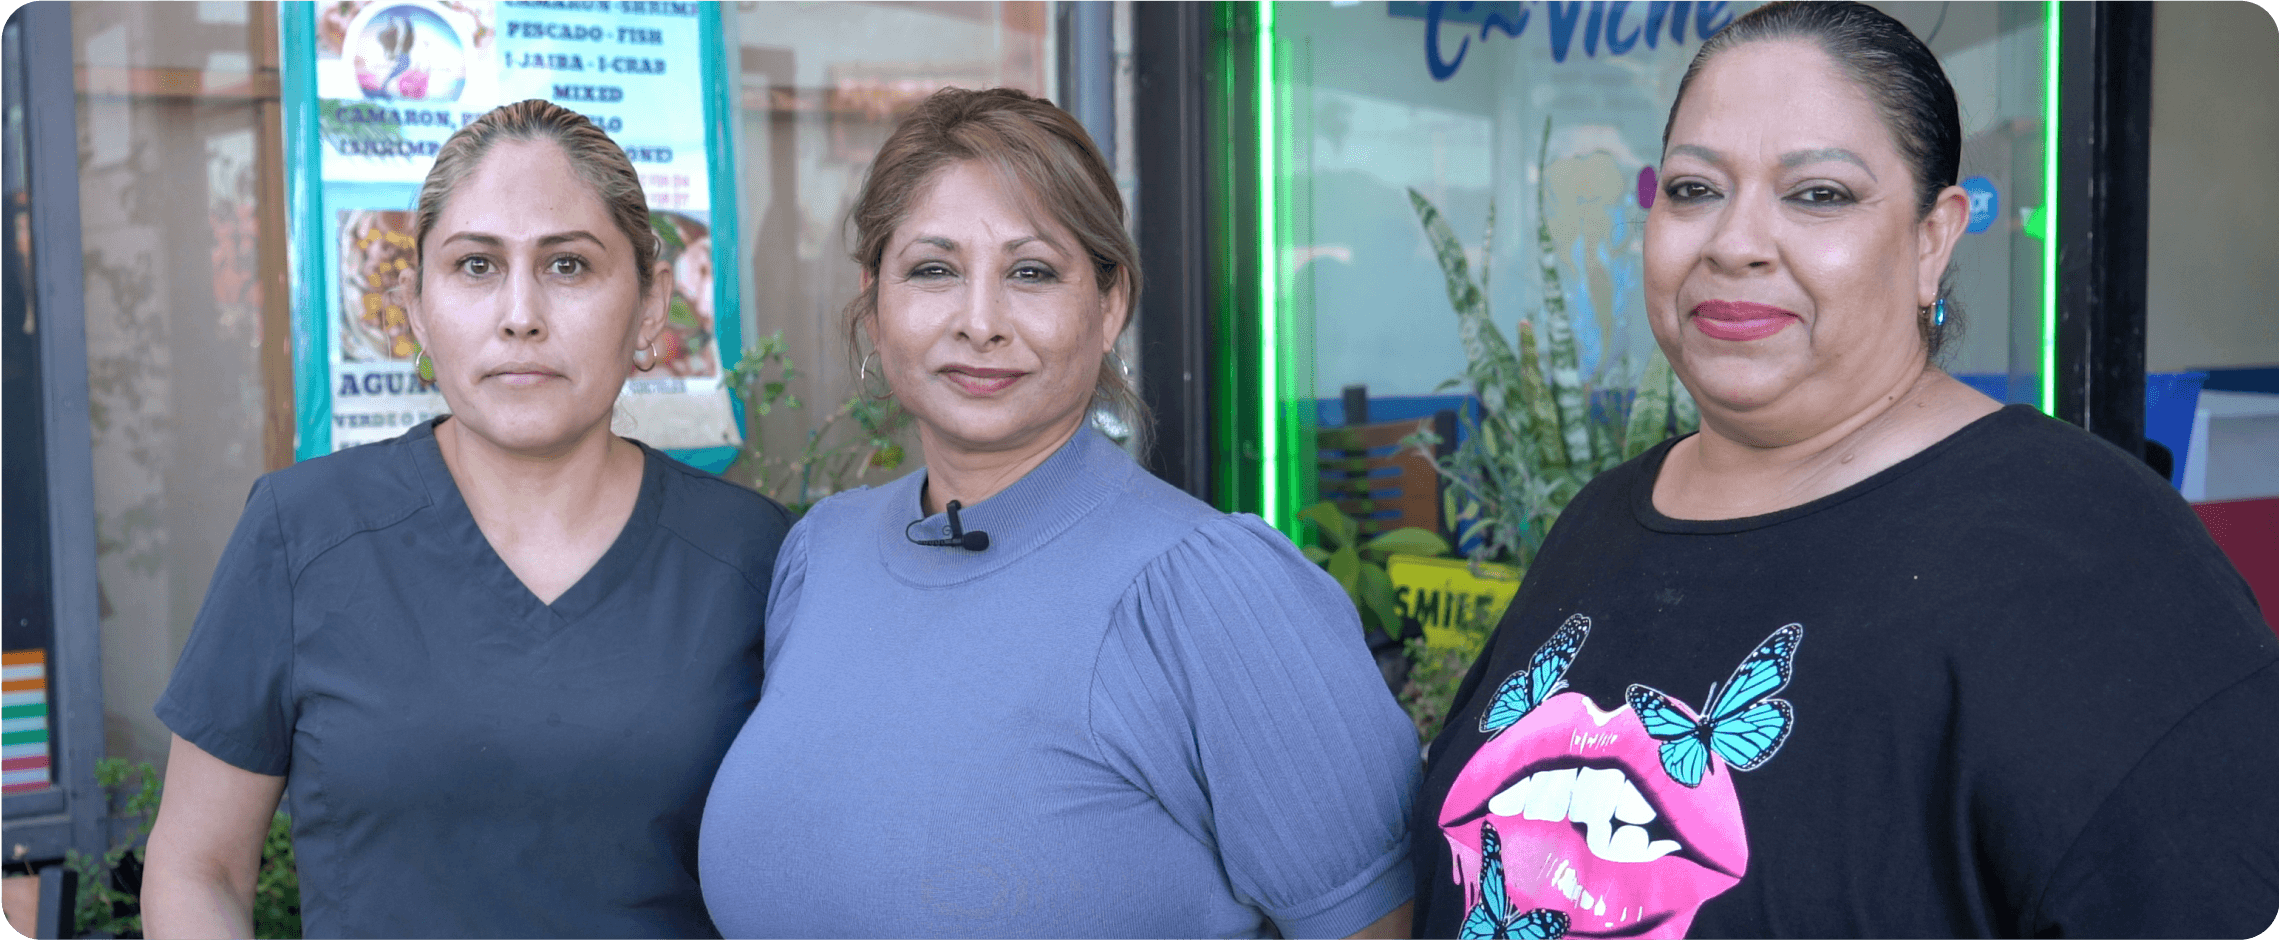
463	760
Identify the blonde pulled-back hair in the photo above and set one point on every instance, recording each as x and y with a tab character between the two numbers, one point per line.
1031	143
598	161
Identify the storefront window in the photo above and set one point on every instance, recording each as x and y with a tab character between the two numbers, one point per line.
1533	131
819	87
188	369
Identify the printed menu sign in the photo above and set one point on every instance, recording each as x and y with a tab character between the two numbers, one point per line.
393	79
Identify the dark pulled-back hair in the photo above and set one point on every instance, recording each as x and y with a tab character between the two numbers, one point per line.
1045	156
1896	70
599	162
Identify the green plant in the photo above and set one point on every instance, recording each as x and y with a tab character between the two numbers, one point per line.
110	887
277	889
829	459
1538	437
1358	565
1542	431
1434	675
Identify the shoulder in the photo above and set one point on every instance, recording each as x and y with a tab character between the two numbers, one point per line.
1608	495
1146	502
1227	562
326	500
855	513
730	523
2019	481
2035	459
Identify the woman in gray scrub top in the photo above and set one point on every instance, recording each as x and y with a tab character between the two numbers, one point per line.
496	660
1032	690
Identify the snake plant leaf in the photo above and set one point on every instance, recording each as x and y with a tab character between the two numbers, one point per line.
1377	598
1408	541
1558	329
1687	416
1337	529
1540	420
1650	411
1491	365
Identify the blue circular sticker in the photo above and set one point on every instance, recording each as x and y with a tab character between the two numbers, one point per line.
1985	203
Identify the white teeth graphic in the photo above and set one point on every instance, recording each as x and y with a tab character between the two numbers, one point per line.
1594	798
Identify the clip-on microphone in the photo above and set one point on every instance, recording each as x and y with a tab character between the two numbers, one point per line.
973	541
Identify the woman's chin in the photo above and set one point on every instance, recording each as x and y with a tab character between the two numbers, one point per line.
1739	386
528	433
988	426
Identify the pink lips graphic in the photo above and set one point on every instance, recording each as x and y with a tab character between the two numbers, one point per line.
1553	861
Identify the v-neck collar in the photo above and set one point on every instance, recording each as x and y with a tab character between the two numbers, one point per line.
458	523
1020	519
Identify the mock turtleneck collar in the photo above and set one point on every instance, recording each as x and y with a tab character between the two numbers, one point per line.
1020	519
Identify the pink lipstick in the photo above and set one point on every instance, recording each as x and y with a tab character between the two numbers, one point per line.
1739	320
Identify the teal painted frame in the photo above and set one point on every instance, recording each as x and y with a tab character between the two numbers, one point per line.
306	233
304	224
720	179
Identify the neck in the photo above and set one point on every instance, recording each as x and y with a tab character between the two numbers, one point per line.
515	490
1733	469
969	475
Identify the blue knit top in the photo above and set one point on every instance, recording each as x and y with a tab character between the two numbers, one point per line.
1130	716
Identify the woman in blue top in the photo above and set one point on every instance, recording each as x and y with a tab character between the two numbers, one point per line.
493	661
1119	713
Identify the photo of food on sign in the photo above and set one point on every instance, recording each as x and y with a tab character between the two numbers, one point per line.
335	18
375	248
685	349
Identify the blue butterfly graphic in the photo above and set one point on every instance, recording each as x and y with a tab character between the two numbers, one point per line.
1492	918
1527	688
1744	724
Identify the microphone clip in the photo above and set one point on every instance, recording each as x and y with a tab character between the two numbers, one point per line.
973	541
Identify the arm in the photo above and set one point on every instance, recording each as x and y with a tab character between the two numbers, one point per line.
1236	690
1391	926
205	849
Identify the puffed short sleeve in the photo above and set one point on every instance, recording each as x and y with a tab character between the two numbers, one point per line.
784	587
231	693
1235	688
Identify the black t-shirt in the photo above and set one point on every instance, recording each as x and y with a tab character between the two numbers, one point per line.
2007	686
461	759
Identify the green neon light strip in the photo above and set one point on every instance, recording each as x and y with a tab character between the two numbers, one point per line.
2049	212
1269	287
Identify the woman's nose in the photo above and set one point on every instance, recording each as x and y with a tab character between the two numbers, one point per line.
525	313
1743	241
981	319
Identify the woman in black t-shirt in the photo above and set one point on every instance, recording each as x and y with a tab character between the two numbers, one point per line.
1871	655
494	661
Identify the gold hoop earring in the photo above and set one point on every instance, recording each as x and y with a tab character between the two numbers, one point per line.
864	381
647	351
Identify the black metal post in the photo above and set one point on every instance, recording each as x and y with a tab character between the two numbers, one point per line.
1170	66
39	826
59	903
2104	162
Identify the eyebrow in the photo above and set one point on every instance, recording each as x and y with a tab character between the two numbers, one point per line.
1797	158
1792	159
950	244
547	241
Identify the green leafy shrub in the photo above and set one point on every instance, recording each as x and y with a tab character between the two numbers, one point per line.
110	887
836	454
1358	565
